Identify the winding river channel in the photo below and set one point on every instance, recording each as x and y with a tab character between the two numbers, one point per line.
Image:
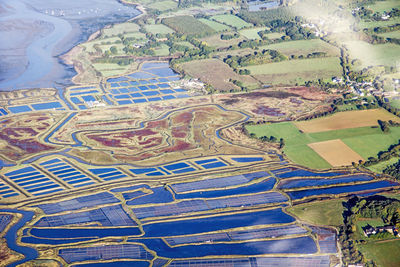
34	33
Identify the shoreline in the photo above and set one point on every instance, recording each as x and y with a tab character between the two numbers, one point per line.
69	56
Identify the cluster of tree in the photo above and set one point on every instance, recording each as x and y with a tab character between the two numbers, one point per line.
368	14
372	207
393	170
239	84
387	106
256	58
229	36
385	125
392	152
270	139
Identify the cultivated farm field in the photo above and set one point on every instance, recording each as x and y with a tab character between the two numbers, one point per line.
345	120
232	20
365	141
188	25
335	152
218	27
296	71
303	47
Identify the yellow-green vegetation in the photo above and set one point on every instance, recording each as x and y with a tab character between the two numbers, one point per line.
381	54
379	23
232	20
162	50
366	141
378	168
384	6
328	212
158	29
163	5
296	71
188	25
395	34
111	69
383	253
252	33
215	41
218	27
303	47
117	29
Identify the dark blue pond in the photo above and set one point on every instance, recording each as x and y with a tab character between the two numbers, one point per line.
160	195
84	233
266	185
341	189
193	226
304	173
34	240
248	159
299	245
116	264
319	182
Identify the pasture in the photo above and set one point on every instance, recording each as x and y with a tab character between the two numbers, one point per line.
371	55
164	5
327	212
302	47
365	141
296	71
218	27
335	152
188	25
384	6
158	29
382	252
232	21
252	33
395	34
372	24
345	120
122	28
216	41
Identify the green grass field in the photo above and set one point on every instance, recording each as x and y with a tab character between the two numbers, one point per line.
188	25
231	20
366	141
383	253
372	24
164	5
290	72
384	6
303	47
120	29
218	27
162	50
381	54
158	28
136	35
395	103
330	64
321	213
395	34
252	33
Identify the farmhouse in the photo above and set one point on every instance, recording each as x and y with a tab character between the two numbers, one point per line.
369	230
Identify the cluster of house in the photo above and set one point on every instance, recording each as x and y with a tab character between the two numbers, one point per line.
370	230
